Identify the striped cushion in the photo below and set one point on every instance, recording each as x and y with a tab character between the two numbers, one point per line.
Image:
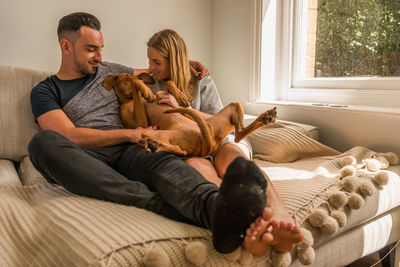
279	142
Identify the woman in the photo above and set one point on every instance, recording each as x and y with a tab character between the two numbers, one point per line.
169	60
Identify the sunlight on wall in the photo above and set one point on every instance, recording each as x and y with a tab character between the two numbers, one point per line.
268	50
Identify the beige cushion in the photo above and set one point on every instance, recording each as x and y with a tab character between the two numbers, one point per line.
8	174
17	123
309	130
28	173
280	142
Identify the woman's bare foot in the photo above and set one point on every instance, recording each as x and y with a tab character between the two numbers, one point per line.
258	236
285	235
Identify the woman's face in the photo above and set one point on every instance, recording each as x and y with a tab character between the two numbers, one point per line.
158	65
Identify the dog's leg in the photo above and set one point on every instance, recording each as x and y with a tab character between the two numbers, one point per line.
150	145
140	118
231	118
179	96
144	90
241	132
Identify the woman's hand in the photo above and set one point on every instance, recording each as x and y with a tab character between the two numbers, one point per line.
198	69
163	97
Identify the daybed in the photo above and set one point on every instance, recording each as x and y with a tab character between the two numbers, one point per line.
44	225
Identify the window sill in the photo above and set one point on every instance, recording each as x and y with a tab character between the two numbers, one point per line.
391	111
381	99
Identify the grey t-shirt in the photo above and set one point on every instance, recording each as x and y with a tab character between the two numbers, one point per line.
91	106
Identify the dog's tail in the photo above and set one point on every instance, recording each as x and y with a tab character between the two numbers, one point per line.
206	140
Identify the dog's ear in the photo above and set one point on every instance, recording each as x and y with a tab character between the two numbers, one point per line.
146	78
109	82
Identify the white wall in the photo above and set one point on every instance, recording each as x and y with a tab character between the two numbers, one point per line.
230	48
28	29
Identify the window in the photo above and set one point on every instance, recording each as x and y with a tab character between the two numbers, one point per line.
331	51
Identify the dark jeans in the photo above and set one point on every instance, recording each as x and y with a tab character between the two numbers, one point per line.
125	174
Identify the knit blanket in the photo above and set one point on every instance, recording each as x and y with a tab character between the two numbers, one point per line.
43	224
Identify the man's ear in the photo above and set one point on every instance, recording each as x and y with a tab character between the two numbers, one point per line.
146	78
109	82
66	46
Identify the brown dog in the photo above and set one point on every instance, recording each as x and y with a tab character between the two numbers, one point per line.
183	131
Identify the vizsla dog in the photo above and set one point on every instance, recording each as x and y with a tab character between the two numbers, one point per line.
183	131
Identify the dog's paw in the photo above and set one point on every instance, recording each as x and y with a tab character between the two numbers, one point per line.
268	116
148	144
272	114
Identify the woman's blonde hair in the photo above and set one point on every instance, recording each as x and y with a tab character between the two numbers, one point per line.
172	47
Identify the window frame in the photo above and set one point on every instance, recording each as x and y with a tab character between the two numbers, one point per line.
358	91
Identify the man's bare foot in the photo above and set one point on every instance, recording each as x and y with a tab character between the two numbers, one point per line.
258	236
285	235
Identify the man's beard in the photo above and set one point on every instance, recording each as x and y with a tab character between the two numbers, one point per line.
85	68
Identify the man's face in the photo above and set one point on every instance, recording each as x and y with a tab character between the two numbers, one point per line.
158	65
87	50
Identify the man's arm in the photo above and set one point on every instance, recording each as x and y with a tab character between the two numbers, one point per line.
56	120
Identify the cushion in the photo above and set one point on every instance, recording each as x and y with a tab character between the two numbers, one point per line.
8	174
17	123
285	142
28	173
309	130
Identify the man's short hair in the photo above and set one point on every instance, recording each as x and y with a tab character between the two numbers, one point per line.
73	22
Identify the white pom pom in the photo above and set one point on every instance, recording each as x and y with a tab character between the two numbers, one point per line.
338	199
340	217
246	258
367	188
372	165
318	217
384	162
347	171
235	255
156	257
355	201
306	256
392	158
347	160
381	178
350	183
196	253
330	227
307	241
280	259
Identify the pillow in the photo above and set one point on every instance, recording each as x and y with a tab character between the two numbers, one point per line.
286	142
309	130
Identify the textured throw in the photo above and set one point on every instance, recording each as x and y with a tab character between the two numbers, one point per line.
44	225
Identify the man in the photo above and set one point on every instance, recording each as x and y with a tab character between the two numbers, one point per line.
84	147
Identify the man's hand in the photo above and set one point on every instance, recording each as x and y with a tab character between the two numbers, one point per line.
198	69
137	133
163	97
